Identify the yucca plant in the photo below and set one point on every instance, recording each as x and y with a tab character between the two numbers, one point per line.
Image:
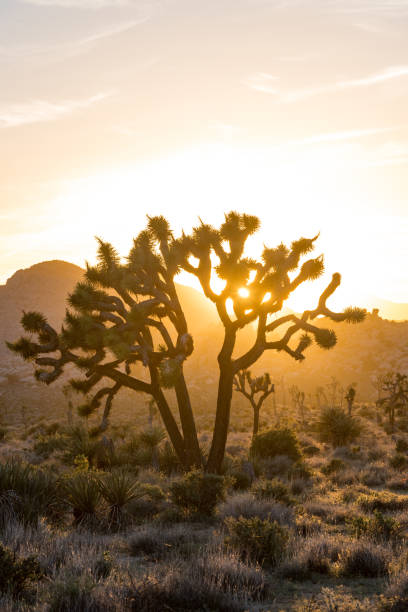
118	488
30	492
79	442
82	493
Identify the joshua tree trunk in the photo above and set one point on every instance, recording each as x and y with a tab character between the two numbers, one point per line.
256	420
171	427
193	454
222	419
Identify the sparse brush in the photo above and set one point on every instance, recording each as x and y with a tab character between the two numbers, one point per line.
384	501
275	490
379	527
363	558
257	540
337	428
315	555
17	575
276	442
197	493
211	581
245	505
79	442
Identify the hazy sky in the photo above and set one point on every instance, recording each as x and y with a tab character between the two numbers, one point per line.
294	110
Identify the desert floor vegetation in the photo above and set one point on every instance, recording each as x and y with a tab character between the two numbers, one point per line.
294	522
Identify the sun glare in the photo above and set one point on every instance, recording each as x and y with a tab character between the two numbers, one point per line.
243	292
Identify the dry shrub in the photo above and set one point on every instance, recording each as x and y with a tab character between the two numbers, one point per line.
315	555
160	541
245	505
213	581
257	540
384	501
363	558
330	512
333	600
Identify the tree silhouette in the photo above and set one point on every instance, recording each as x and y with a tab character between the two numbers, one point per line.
298	399
350	397
126	327
259	385
395	387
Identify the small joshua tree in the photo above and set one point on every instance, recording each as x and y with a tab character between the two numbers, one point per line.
256	392
126	327
298	399
350	397
395	388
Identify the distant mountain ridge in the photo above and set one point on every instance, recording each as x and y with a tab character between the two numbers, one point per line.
45	286
361	352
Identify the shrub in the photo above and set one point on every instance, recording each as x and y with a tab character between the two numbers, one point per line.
379	527
316	556
399	462
334	465
333	600
75	595
311	450
401	446
218	582
395	598
45	445
103	566
383	501
197	493
364	559
276	442
79	442
257	540
337	428
158	541
245	505
273	489
17	575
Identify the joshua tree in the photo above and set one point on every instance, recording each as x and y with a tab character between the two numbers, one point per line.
126	326
259	385
350	397
298	399
395	387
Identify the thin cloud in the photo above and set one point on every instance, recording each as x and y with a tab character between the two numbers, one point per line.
69	49
266	83
83	4
38	111
342	135
261	81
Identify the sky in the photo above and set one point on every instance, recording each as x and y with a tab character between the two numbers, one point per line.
294	110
